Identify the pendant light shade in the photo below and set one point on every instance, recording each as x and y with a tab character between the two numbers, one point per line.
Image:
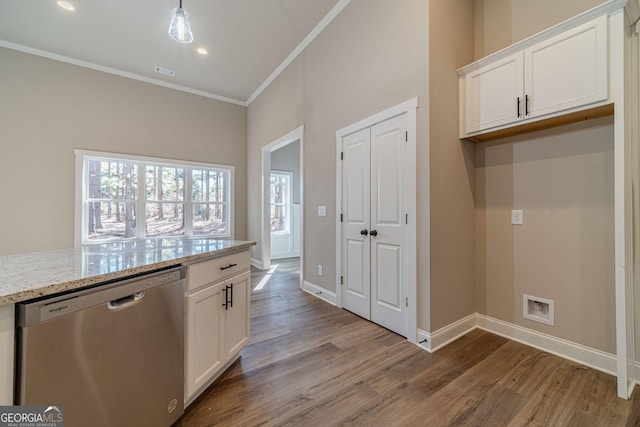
179	28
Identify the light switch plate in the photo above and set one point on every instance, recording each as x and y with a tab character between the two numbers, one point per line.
322	211
517	217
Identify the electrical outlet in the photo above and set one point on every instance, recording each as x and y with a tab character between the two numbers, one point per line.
319	269
322	211
517	217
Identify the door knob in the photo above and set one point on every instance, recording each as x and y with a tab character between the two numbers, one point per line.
364	232
374	233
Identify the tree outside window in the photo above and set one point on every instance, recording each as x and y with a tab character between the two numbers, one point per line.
280	202
135	198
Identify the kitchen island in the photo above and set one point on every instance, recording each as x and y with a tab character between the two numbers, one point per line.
38	274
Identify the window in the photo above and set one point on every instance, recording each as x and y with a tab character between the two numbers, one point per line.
125	197
281	202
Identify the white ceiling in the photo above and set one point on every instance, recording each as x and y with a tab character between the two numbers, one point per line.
247	40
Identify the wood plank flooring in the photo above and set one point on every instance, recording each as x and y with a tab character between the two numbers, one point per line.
311	364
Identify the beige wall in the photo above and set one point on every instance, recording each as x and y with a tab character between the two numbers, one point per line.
50	108
563	180
371	57
452	171
500	23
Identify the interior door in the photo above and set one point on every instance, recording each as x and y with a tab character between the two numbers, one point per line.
356	220
388	147
372	226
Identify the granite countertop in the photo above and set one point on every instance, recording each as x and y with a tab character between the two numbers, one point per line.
36	274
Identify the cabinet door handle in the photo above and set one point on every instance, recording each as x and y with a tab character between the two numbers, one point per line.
374	233
226	299
231	293
526	105
518	103
228	266
364	232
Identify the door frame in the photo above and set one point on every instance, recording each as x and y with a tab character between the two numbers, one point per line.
265	228
408	107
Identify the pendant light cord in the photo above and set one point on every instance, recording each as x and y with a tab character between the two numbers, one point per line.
180	4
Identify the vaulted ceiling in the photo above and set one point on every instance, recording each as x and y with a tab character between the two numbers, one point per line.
246	40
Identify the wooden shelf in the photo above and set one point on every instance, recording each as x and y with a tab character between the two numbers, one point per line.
565	119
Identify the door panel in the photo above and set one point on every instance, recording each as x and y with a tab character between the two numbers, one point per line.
388	276
356	273
356	202
388	148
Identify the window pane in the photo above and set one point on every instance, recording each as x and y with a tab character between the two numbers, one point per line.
279	188
164	183
112	180
209	219
278	218
209	185
111	220
164	219
280	203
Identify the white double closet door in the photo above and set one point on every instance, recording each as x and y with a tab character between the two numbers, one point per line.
373	225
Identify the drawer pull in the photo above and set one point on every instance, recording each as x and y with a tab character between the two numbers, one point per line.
228	266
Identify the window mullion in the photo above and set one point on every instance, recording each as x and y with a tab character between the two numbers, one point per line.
188	203
141	216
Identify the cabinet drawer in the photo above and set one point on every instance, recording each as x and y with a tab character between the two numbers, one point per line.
218	268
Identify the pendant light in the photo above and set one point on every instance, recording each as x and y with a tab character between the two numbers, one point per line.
179	28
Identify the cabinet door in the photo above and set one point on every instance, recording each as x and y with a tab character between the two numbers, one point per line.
494	94
569	70
236	331
204	344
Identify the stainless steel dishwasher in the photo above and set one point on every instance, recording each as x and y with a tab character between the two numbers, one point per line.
112	355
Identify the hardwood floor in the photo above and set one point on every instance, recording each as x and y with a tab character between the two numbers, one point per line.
311	364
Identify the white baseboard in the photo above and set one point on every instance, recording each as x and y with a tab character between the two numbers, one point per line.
424	340
588	356
319	292
596	359
257	264
452	332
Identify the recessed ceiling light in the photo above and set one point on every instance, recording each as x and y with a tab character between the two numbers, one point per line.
202	51
66	5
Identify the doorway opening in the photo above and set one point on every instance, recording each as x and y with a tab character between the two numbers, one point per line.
282	202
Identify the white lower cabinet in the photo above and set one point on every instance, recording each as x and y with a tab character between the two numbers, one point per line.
204	355
217	326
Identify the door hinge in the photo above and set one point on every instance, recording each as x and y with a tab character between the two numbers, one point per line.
342	155
406	302
406	136
341	280
340	217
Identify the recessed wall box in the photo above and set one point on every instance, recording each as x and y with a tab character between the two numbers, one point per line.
538	309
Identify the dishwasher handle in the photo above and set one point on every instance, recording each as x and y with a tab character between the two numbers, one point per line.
125	302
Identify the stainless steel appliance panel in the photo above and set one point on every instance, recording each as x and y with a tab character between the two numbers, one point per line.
110	356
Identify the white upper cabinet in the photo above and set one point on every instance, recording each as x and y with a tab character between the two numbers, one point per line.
563	73
494	94
567	71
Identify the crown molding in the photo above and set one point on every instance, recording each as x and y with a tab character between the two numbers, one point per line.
603	9
109	70
307	40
